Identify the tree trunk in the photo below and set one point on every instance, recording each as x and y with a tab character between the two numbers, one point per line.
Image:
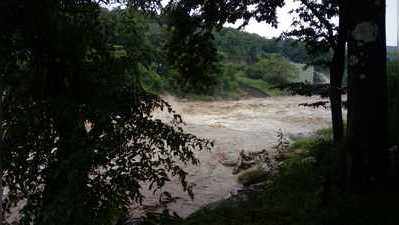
337	68
367	98
336	112
336	79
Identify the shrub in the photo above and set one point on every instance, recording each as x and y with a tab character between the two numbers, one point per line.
227	78
274	69
252	176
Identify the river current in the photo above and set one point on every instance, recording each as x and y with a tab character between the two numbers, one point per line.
249	125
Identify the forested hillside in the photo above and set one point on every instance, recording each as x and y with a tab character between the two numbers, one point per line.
246	65
242	47
241	55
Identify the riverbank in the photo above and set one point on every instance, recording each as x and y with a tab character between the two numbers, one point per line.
303	191
248	125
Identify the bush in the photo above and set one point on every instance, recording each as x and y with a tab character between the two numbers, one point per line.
252	176
274	69
227	78
259	85
151	81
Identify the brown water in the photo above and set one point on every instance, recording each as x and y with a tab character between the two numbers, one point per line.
249	125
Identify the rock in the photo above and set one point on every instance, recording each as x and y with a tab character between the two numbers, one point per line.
296	136
226	159
299	151
216	125
248	160
252	176
229	163
283	156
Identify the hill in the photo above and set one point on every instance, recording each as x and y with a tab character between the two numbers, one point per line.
244	48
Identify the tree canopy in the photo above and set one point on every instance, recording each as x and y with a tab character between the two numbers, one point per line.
274	69
78	135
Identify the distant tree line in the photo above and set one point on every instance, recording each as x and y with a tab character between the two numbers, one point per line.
223	48
245	48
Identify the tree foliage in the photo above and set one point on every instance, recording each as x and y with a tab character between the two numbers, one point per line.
191	47
244	48
191	51
313	26
325	42
274	69
78	135
180	63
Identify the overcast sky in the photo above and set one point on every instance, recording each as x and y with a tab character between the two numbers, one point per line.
285	20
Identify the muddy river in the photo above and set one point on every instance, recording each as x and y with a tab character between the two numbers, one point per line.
250	125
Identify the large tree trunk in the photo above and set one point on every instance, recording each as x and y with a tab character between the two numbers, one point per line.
367	158
336	79
336	108
337	68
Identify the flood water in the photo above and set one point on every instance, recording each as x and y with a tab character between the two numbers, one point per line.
249	125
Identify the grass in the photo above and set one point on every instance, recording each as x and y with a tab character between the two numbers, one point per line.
304	75
258	88
309	142
259	85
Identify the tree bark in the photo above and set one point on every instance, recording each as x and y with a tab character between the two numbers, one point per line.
367	98
337	68
339	60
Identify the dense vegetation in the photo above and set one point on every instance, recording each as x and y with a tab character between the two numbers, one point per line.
240	56
273	69
78	135
245	48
